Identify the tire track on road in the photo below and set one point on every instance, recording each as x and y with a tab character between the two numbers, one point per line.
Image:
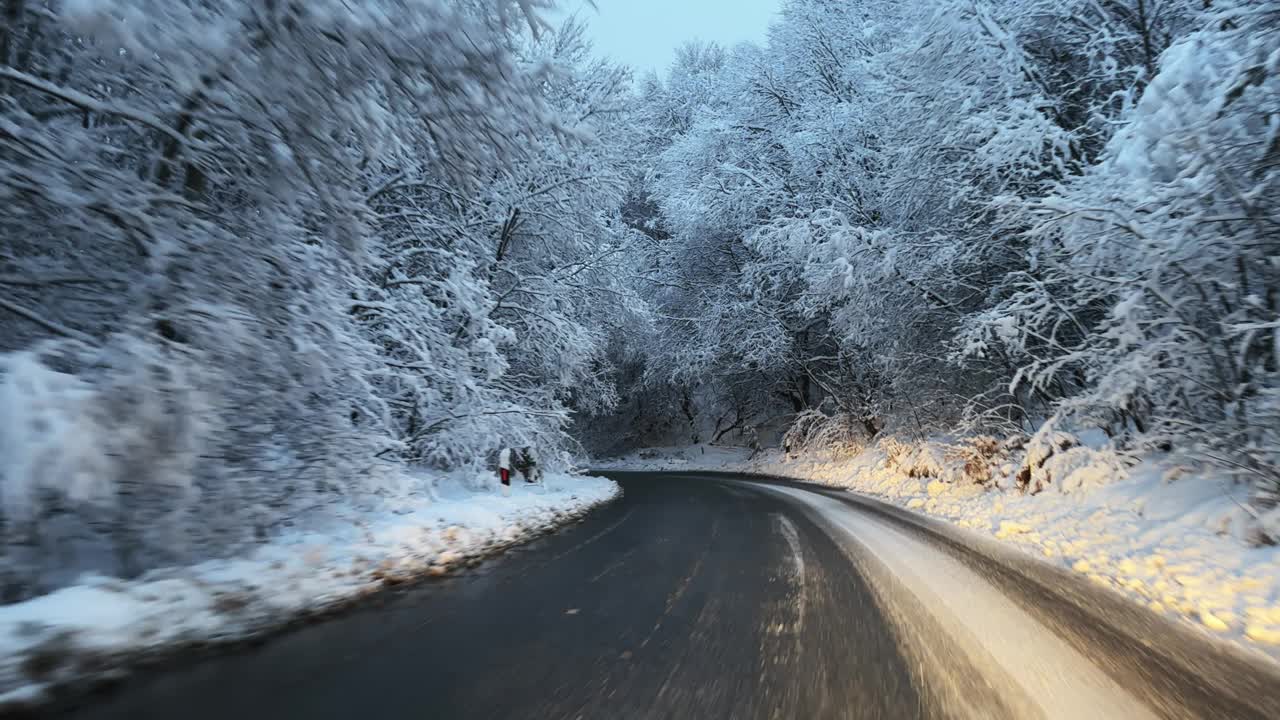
1033	669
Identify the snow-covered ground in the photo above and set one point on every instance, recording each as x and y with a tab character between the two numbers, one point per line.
1178	543
101	624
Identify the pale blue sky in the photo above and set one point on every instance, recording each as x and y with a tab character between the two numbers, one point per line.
645	33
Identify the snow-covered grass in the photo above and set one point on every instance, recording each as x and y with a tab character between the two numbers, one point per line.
101	625
1177	542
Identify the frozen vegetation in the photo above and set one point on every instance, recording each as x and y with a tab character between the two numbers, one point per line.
1024	220
277	281
1010	263
271	271
257	258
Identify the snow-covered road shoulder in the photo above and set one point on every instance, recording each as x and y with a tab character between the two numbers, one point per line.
1038	674
91	630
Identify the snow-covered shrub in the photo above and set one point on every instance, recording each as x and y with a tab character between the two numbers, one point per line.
98	468
982	457
894	449
1081	469
1151	307
1060	460
836	435
919	459
50	441
827	213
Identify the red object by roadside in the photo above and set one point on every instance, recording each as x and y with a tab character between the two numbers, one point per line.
506	475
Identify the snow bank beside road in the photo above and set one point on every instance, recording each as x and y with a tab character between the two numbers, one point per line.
1036	673
84	631
1176	543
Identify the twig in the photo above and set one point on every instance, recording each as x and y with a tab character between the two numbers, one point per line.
17	281
91	104
46	324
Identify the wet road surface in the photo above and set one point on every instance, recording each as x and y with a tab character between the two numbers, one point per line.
708	596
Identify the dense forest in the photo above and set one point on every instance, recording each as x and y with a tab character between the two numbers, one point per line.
256	256
996	217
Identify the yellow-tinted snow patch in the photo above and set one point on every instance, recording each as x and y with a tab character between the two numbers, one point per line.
1008	528
1213	622
1261	634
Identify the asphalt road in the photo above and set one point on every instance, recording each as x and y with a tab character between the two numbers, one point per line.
701	596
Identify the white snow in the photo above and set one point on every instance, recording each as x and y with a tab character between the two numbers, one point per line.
1171	540
43	640
695	457
983	621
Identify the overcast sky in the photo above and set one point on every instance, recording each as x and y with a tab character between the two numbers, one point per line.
645	33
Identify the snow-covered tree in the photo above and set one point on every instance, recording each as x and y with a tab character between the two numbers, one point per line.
893	214
249	251
1153	289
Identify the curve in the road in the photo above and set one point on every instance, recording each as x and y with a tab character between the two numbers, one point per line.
711	597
